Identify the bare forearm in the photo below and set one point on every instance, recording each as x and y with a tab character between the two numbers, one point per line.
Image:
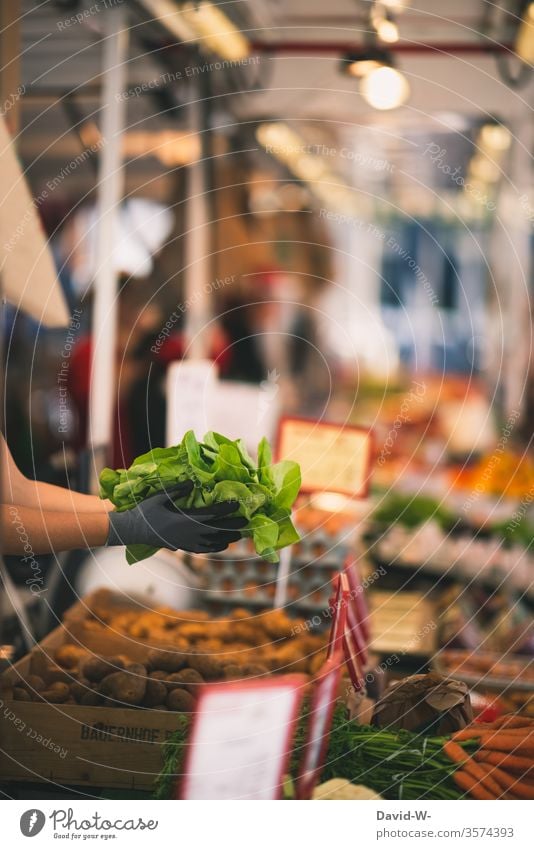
20	490
29	531
46	496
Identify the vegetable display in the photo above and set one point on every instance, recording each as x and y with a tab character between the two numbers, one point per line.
221	469
502	765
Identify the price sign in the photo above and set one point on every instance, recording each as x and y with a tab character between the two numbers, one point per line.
322	709
332	457
241	739
190	386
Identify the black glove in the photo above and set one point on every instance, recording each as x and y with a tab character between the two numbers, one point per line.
158	522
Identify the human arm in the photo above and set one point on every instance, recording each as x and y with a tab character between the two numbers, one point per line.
20	490
27	531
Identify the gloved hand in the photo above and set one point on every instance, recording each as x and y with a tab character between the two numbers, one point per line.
158	522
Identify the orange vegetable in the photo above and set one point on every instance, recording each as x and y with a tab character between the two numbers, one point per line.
455	752
512	784
512	763
475	788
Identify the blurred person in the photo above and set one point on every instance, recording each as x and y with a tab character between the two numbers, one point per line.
271	332
138	316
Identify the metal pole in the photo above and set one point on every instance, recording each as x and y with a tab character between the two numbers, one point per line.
198	262
511	264
110	192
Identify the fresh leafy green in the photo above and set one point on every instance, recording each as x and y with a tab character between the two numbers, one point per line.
221	470
412	510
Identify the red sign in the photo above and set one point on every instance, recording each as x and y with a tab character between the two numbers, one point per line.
322	710
341	634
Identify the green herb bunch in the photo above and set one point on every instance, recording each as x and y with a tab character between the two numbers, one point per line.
221	469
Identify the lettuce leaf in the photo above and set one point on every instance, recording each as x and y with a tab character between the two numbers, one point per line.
221	470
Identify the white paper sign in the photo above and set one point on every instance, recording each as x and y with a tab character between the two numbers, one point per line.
190	388
197	400
241	739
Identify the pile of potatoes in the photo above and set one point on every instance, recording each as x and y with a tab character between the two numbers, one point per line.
168	680
199	649
270	639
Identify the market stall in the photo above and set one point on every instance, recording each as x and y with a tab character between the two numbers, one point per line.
290	407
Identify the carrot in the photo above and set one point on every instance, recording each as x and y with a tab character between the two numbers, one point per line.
501	741
513	721
455	752
471	785
481	732
511	745
512	763
482	772
512	784
469	733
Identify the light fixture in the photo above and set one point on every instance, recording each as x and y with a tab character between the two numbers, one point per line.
495	137
359	64
384	25
396	5
381	85
385	88
201	22
168	14
215	30
524	45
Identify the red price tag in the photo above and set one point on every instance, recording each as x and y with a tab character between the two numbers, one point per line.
322	710
241	739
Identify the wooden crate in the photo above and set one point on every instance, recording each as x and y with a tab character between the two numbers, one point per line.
76	745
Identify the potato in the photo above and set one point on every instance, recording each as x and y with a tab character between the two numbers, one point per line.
188	679
158	675
168	661
193	631
233	672
254	670
69	656
210	668
32	683
124	687
53	673
180	700
240	613
155	693
21	695
78	689
91	699
277	624
97	668
160	707
57	693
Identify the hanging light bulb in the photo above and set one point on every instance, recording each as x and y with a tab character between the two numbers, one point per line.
384	25
385	88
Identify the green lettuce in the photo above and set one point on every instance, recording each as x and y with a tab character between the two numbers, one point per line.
221	469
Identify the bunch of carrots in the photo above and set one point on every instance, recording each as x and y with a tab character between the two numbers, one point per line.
502	767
